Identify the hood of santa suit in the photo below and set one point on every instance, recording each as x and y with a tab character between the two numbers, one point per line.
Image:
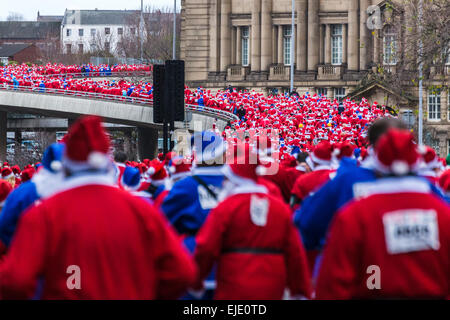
207	146
50	176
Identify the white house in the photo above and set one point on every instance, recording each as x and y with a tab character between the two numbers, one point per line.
91	30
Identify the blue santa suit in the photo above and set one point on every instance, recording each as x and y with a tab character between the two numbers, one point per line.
187	206
317	211
43	184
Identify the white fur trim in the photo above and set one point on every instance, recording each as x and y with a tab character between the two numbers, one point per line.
151	171
261	170
56	165
172	169
399	167
98	160
208	171
422	149
319	161
336	152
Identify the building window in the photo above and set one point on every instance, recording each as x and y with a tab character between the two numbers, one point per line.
93	47
390	46
107	30
339	94
68	32
107	46
120	31
287	34
434	105
435	145
322	92
245	45
93	31
68	48
336	44
80	48
408	117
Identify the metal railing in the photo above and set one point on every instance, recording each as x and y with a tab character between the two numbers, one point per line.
102	74
224	115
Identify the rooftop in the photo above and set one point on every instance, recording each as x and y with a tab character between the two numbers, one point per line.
95	17
9	50
33	30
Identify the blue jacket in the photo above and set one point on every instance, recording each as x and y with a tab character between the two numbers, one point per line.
317	210
16	204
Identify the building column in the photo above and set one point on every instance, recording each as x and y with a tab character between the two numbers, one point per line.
274	44
256	36
353	35
302	32
327	44
225	35
238	46
215	35
3	134
313	35
364	41
233	45
266	34
280	45
17	144
48	137
321	44
376	47
147	142
344	43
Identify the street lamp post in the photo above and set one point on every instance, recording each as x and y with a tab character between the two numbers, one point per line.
141	27
174	44
420	134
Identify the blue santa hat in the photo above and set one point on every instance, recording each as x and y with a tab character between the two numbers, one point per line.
131	178
53	156
295	151
207	146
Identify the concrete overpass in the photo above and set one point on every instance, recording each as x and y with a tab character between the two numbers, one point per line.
113	109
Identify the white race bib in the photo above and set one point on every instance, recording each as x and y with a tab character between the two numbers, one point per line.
207	201
259	209
411	230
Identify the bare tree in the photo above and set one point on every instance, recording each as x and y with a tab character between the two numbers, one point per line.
14	16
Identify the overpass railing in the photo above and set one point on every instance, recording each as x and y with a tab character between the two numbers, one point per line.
224	115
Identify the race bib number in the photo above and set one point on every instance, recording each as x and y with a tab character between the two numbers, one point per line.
411	230
207	201
259	209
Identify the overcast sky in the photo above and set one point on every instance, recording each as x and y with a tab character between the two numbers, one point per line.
29	8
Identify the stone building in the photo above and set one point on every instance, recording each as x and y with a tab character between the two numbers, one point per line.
247	44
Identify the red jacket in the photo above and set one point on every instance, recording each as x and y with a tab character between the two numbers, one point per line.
230	238
122	245
285	179
379	231
310	182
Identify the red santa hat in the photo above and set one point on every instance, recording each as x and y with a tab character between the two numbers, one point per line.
87	145
7	173
321	155
344	149
157	172
444	182
5	190
245	166
430	160
16	169
27	174
396	153
179	168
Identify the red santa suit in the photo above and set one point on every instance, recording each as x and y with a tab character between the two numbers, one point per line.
397	231
120	245
254	242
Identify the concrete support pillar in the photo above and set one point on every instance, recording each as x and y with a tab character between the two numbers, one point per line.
3	135
266	34
328	44
238	45
280	45
128	145
344	43
256	36
17	144
353	35
313	35
225	35
48	137
364	40
147	142
302	32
